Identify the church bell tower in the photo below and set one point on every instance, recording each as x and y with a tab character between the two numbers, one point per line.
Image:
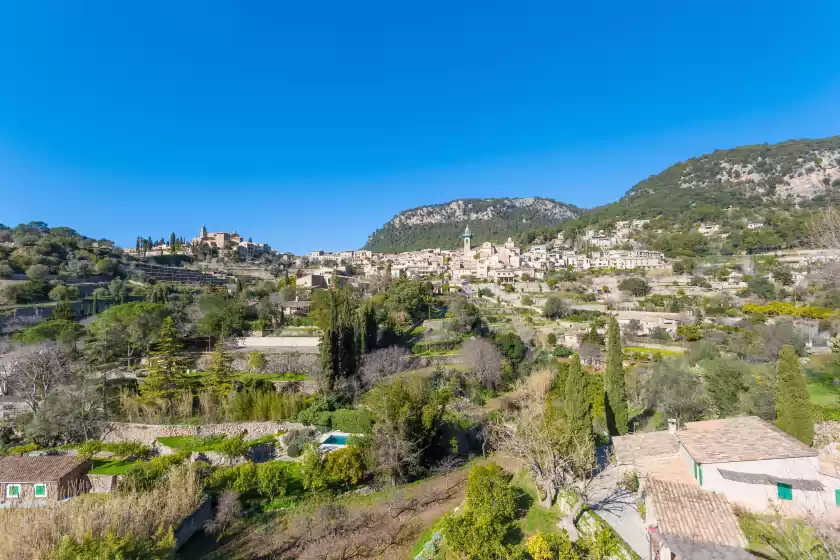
467	237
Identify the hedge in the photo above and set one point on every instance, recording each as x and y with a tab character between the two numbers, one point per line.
785	308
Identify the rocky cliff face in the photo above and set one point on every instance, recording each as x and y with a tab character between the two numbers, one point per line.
492	219
797	170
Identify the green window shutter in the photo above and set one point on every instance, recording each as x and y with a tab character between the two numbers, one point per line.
837	497
700	475
785	491
40	490
13	490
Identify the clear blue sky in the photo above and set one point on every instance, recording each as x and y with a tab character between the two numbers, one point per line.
309	124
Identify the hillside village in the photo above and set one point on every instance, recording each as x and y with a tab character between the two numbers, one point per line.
619	389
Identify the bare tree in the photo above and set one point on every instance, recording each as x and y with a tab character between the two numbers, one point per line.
485	362
228	511
382	363
536	434
37	373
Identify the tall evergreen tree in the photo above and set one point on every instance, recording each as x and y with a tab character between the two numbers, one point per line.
220	371
339	344
794	414
366	330
172	240
576	402
167	368
615	398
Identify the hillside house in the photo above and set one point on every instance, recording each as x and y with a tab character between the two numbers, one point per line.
749	461
36	480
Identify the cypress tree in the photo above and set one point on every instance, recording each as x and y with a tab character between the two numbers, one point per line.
615	397
221	364
794	414
339	347
167	368
576	402
172	240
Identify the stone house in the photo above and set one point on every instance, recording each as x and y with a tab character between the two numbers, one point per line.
34	480
749	461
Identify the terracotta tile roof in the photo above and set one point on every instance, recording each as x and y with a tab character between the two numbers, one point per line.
634	447
695	550
688	512
46	468
747	438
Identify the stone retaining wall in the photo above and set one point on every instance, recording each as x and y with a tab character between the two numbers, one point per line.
102	483
193	522
826	433
148	433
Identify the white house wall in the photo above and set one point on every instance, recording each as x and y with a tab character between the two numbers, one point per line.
763	497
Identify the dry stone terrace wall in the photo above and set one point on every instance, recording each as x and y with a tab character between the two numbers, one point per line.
294	362
148	433
826	433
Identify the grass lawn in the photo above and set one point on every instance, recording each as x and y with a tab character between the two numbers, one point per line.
112	466
192	443
537	518
821	372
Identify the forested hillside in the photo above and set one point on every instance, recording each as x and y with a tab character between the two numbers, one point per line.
776	185
492	219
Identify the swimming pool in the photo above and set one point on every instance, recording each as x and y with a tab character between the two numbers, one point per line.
335	439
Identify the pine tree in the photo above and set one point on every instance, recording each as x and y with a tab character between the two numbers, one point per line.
167	368
221	365
576	403
794	414
172	240
615	398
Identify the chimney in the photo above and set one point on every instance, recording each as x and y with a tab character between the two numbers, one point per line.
672	425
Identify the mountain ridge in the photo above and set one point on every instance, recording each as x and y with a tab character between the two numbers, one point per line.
490	219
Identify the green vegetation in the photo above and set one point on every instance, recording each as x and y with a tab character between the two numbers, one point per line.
112	466
509	220
615	393
793	409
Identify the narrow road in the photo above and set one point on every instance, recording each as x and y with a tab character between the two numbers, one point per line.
617	507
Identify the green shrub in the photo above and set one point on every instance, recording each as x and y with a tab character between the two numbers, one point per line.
21	449
295	448
161	546
145	476
351	421
272	479
233	447
240	478
88	449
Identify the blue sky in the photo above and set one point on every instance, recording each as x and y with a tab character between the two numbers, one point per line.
309	124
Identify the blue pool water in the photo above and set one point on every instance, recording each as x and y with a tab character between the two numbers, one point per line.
335	440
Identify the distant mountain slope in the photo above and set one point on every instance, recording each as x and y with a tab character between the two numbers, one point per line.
759	180
795	170
491	219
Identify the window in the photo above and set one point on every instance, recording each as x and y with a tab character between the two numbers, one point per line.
13	490
837	497
785	491
40	490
